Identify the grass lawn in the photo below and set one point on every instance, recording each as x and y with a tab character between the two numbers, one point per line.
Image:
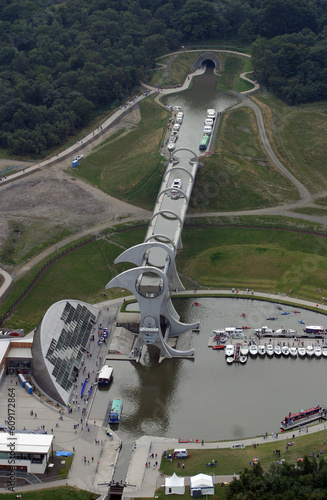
300	135
230	461
62	493
232	67
264	259
239	175
129	166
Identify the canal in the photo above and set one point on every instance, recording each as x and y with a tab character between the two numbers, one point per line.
201	96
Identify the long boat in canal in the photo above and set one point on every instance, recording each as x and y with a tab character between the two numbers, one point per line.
204	142
303	417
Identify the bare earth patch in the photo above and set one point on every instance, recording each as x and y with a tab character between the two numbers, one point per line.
52	198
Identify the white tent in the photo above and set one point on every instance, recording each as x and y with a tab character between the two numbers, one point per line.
174	485
201	484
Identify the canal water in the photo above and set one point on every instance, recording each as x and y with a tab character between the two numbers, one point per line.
205	398
201	96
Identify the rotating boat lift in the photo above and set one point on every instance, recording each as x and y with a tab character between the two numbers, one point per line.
155	276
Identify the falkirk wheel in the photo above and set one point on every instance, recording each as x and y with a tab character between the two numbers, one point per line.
155	274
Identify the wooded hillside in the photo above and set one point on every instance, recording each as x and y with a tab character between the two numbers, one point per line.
61	63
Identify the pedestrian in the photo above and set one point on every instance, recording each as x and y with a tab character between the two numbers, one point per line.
92	459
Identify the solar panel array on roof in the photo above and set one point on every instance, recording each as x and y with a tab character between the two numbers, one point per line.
65	354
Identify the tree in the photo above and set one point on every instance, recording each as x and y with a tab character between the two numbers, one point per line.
198	19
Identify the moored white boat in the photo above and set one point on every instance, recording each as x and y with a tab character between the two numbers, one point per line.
211	113
261	350
270	350
293	352
253	350
302	352
229	350
285	350
286	331
317	351
264	330
244	350
310	351
324	351
277	350
230	360
243	359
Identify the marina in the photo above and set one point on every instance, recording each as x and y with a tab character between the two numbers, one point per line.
283	342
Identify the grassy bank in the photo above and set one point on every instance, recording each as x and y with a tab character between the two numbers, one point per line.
300	133
129	166
231	461
239	175
267	260
232	66
83	275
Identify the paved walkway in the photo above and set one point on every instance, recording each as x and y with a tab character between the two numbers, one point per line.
75	432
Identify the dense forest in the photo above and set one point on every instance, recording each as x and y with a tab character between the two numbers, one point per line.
308	480
61	63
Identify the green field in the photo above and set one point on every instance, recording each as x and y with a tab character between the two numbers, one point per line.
262	259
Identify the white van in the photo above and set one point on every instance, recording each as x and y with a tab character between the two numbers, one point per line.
180	453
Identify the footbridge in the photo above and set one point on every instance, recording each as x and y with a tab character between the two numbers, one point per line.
155	276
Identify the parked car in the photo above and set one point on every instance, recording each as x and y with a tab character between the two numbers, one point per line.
78	157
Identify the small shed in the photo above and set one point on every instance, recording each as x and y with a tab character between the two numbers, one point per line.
174	485
201	484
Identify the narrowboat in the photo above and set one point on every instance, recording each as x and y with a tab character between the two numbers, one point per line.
302	415
204	142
